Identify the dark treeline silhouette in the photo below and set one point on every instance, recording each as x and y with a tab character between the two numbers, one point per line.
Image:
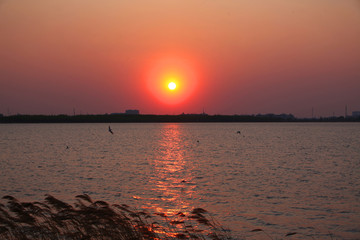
143	118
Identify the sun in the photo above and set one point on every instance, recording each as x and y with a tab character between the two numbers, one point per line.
171	80
172	86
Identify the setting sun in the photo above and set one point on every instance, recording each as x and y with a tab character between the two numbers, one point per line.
172	80
172	86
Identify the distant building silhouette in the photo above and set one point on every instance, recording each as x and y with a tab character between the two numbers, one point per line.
132	111
356	114
128	112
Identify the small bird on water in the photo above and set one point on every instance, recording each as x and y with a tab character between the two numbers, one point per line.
110	130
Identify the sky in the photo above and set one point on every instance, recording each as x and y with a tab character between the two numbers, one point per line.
226	57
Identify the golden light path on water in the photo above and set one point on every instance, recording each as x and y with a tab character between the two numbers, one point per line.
172	178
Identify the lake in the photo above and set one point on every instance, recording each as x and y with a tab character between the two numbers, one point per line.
280	177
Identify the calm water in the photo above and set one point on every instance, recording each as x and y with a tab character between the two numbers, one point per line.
280	177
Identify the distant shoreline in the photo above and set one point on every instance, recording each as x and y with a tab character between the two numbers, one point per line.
182	118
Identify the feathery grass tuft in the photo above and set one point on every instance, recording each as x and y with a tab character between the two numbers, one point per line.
88	219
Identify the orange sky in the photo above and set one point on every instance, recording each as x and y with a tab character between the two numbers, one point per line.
235	57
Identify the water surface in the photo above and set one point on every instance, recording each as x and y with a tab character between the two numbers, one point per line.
280	177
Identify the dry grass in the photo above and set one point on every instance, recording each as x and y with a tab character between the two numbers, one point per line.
88	219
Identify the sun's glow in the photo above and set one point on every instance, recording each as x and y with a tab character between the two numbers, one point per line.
171	80
172	86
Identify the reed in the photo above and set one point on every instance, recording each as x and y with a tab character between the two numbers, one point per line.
88	219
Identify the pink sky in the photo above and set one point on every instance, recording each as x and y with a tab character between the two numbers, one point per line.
231	57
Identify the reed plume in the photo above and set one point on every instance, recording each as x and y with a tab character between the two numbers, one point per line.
88	219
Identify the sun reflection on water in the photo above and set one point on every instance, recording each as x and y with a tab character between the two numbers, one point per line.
172	179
